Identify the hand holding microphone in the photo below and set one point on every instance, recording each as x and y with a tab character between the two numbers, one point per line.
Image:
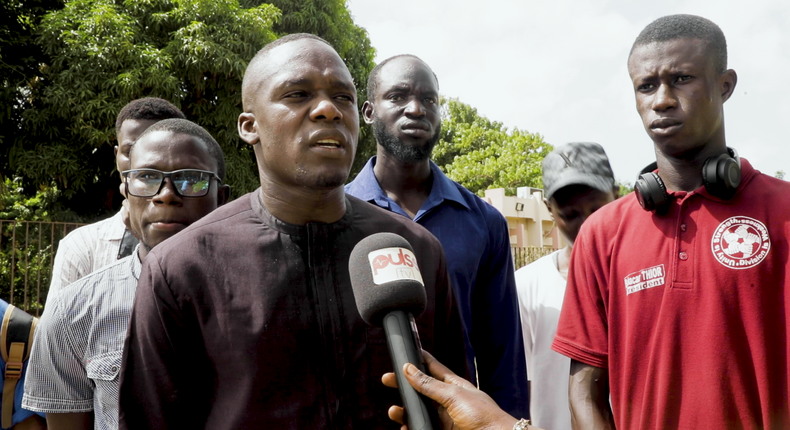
389	290
461	405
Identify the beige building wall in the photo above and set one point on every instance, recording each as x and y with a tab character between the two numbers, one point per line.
527	216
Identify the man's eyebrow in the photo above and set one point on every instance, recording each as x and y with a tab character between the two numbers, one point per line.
406	86
144	166
338	84
683	68
298	82
293	82
402	86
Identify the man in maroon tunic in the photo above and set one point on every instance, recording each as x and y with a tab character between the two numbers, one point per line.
247	319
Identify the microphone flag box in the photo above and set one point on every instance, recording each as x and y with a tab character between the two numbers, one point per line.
385	277
394	264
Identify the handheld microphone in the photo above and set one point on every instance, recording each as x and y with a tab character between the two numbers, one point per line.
389	290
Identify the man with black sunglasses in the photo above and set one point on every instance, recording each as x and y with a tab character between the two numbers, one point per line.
96	245
175	178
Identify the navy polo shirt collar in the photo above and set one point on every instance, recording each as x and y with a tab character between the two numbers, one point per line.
366	187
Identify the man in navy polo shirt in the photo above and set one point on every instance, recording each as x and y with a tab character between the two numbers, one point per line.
403	108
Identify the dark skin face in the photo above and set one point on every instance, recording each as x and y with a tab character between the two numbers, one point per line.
303	123
154	219
680	97
303	119
406	107
572	205
131	129
406	122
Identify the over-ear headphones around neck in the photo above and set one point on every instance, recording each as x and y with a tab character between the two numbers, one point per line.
721	176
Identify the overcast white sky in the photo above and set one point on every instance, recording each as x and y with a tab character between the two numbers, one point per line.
558	68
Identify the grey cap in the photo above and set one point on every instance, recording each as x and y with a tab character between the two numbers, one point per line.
577	163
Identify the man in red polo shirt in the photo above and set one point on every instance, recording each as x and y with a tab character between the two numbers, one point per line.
677	297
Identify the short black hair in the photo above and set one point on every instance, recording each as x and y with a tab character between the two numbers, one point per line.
674	27
249	73
373	78
147	108
177	125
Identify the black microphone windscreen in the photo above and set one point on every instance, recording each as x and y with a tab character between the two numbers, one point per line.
385	277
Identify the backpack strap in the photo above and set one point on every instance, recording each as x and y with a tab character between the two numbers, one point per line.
16	337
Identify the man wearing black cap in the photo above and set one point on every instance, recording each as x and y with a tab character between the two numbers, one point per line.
578	180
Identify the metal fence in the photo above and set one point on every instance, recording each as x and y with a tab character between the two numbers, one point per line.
27	249
526	255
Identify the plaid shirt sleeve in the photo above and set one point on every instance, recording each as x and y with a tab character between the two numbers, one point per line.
57	381
72	261
86	250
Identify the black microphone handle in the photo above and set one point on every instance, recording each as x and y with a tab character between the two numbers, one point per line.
403	349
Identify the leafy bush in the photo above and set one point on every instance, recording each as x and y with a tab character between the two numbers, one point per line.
480	154
28	236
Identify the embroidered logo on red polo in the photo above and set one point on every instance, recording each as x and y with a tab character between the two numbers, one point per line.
393	264
644	279
740	242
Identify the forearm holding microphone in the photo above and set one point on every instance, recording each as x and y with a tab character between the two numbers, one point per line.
461	405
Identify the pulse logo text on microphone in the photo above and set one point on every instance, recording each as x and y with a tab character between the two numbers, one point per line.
393	264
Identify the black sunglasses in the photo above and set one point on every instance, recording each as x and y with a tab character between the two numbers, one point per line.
187	182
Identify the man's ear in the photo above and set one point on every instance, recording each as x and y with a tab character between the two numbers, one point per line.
248	129
367	112
223	194
727	81
548	206
125	207
125	216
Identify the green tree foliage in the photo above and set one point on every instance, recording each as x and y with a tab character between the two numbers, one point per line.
94	56
780	174
42	206
20	57
624	186
27	238
480	154
106	53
